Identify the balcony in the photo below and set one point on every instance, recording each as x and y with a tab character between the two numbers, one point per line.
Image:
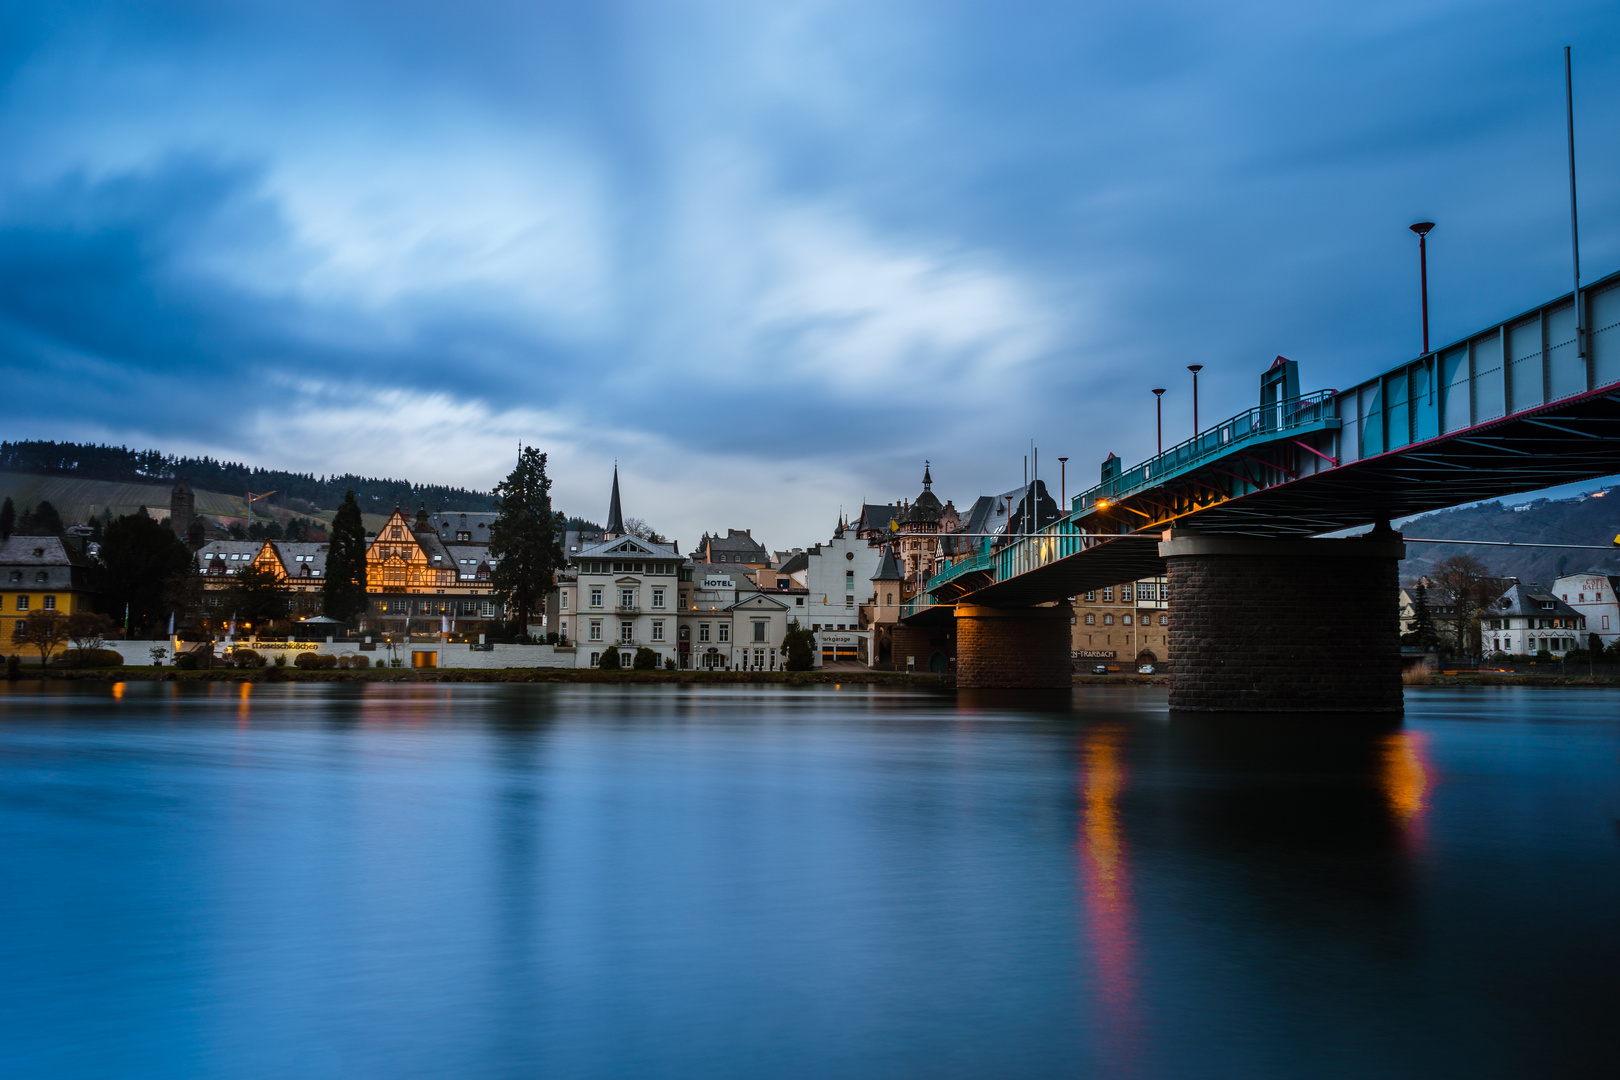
627	609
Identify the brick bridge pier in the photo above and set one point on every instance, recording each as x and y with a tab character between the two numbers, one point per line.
1284	625
1256	625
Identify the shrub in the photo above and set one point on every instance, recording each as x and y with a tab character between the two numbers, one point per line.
188	661
669	664
306	660
610	659
281	659
90	658
646	659
551	638
1544	654
1416	675
245	658
360	663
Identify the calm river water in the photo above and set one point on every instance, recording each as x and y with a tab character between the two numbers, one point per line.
592	881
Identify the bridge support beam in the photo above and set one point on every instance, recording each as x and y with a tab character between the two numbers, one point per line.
1284	625
1013	648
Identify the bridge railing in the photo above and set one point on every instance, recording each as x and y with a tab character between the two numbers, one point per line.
1264	422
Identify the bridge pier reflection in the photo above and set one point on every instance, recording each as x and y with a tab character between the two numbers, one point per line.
1284	625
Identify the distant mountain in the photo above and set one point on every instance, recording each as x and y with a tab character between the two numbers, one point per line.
295	491
1593	518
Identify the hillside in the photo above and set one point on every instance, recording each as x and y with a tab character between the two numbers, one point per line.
1593	518
300	492
78	500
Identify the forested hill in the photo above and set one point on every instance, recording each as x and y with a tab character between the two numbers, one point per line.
295	490
1592	518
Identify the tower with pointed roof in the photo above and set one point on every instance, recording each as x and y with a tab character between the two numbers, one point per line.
615	520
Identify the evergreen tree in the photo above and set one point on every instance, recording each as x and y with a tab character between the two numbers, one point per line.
610	659
1423	628
8	518
798	648
257	597
41	520
344	590
139	561
523	538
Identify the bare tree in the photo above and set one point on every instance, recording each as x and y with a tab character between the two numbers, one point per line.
638	527
44	631
88	631
1471	586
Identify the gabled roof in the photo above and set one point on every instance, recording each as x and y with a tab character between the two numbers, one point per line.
758	599
875	517
626	545
799	561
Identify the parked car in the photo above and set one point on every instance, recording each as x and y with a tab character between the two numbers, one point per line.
1145	669
1100	669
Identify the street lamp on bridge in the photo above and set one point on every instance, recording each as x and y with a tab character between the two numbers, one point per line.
1158	409
1422	229
1195	369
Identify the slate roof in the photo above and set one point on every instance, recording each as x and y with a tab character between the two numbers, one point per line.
800	561
18	550
889	568
615	520
633	546
1531	601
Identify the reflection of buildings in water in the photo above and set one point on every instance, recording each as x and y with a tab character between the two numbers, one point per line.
1405	775
1105	885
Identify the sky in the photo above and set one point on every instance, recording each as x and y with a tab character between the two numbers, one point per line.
766	257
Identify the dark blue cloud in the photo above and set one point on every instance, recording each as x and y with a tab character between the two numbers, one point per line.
809	240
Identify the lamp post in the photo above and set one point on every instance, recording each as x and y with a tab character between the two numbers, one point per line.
1063	480
1422	229
1195	369
1158	409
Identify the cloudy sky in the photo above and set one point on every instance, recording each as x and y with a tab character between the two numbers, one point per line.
768	256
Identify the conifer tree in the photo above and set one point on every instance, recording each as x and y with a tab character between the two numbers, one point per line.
8	518
344	590
523	538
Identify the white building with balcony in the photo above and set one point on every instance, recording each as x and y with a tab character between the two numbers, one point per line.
623	593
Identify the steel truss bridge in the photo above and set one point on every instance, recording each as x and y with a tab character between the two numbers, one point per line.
1515	407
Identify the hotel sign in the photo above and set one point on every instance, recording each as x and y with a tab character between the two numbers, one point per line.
721	582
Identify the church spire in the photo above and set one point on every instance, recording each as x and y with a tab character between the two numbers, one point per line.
615	521
928	481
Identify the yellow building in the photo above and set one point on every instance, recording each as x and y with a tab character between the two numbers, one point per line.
38	574
420	581
1126	624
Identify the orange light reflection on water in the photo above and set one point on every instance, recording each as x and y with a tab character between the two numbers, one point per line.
118	691
244	706
1105	888
1407	777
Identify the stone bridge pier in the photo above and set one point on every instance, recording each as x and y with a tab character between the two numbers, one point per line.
1284	625
1013	648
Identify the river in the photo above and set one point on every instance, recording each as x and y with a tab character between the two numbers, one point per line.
374	880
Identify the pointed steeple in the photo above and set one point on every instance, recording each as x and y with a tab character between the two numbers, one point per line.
615	521
928	481
889	568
